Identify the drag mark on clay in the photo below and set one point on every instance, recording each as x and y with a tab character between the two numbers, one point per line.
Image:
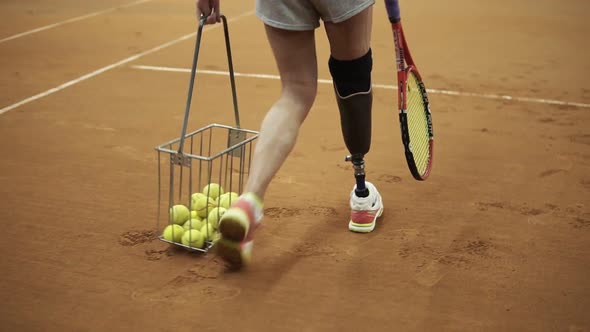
522	209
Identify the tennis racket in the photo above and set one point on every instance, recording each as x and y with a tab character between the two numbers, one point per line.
414	110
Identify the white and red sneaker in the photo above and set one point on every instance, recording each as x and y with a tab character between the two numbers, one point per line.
365	210
237	226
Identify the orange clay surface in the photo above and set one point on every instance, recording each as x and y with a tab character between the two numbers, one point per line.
497	239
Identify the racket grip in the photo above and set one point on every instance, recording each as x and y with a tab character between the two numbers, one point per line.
392	7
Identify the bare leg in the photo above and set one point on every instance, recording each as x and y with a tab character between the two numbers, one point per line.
351	39
295	55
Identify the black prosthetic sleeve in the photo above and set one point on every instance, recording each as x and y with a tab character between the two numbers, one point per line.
352	85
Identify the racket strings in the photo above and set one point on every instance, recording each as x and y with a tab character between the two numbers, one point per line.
417	124
418	139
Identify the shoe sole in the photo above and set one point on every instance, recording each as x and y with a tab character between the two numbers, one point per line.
233	253
234	225
360	228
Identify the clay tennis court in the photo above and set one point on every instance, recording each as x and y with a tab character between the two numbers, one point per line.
497	239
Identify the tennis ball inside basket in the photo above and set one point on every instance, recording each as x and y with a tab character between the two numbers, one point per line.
201	204
215	215
173	233
213	190
225	200
179	214
193	224
194	215
193	238
208	232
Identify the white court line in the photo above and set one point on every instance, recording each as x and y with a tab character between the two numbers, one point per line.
74	19
380	86
116	64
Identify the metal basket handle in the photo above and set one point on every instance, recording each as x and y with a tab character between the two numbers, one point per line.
193	74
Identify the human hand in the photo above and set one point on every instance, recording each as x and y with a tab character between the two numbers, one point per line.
208	9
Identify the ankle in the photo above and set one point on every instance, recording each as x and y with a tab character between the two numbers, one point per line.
362	192
255	202
253	199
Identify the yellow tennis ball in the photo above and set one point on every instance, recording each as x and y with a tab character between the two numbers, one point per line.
173	233
215	215
201	204
193	224
179	214
195	198
194	215
213	190
193	238
208	232
226	199
216	236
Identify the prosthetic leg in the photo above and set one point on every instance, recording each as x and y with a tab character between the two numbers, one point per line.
352	85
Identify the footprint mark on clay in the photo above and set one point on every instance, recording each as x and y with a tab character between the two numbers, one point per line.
135	237
200	280
525	211
157	254
210	269
484	206
477	247
581	221
583	139
431	274
550	172
322	210
389	178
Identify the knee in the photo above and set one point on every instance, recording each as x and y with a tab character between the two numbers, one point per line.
352	76
302	93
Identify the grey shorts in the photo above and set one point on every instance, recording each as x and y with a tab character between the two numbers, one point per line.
300	15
